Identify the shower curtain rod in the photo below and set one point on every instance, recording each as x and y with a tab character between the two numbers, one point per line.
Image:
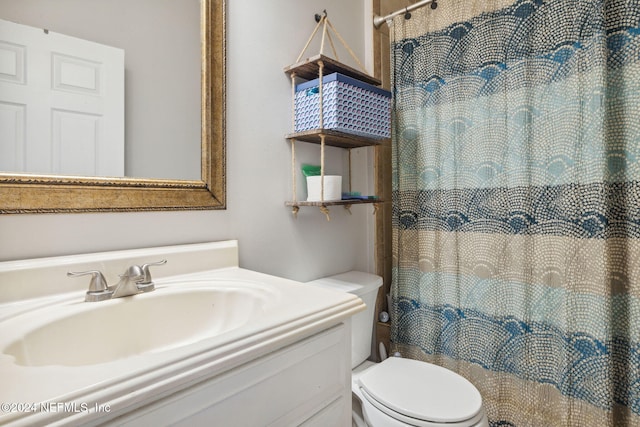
379	20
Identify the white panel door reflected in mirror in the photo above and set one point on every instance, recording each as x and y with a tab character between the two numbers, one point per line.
61	104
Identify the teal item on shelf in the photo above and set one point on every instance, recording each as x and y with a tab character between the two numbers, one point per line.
355	195
311	170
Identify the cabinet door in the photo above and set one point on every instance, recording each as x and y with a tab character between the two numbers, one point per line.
307	383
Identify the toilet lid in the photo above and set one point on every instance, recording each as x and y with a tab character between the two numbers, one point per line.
422	391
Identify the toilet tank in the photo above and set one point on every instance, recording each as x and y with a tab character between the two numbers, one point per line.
365	286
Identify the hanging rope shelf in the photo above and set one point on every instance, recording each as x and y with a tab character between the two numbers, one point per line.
316	67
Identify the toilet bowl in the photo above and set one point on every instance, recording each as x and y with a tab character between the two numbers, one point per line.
406	392
399	392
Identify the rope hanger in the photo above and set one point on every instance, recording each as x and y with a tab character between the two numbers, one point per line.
327	27
323	21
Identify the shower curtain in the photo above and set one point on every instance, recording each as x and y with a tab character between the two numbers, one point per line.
516	204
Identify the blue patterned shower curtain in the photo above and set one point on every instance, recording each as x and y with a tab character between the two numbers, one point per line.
516	204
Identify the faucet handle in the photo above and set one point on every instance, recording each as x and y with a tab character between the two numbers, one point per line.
146	283
98	288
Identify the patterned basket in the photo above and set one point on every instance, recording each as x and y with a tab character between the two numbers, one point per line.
349	106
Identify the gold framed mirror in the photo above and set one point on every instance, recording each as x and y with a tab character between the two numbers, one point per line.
26	193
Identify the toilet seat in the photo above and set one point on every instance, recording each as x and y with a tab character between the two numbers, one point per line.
421	394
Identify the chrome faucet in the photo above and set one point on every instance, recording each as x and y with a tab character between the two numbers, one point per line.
134	280
128	282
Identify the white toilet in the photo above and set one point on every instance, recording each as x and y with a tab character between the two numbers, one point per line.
399	392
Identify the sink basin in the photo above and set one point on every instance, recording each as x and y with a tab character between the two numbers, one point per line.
90	333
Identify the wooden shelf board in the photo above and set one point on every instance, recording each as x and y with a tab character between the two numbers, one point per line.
335	138
335	203
308	69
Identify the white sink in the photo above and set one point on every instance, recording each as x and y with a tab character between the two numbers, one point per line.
82	333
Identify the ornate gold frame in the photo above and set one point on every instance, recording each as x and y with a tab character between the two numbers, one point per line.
23	193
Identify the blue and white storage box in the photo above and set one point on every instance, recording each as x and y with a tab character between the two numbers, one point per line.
349	106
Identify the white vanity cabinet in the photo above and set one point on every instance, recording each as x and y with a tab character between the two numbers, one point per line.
307	383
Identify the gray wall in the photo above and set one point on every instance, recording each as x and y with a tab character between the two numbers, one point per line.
262	38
